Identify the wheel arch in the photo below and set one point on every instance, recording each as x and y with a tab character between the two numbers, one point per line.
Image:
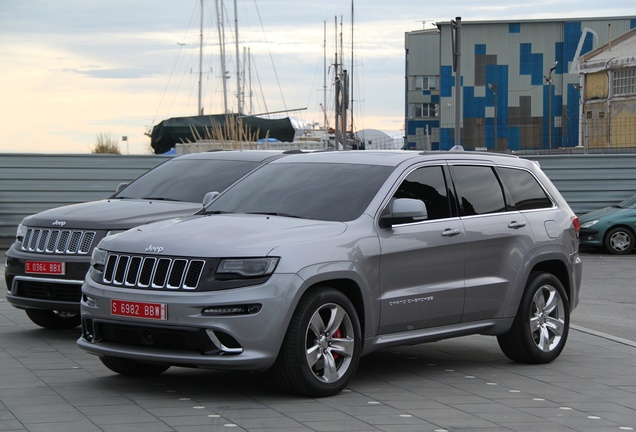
349	283
557	268
548	262
352	291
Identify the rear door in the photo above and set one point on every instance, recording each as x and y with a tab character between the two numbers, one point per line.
422	263
498	237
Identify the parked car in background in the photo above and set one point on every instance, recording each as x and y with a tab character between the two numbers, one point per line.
314	260
612	228
47	262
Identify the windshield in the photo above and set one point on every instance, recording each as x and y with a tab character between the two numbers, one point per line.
186	180
323	191
628	203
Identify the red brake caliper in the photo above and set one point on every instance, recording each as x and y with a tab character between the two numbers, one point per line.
337	334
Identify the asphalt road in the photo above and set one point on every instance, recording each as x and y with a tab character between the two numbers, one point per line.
608	295
607	300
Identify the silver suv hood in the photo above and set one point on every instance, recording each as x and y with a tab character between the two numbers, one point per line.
220	235
110	214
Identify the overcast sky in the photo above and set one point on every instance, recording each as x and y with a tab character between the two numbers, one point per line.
73	69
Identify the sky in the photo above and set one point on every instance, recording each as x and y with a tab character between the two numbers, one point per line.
71	70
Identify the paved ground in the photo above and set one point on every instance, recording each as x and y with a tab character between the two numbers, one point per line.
466	384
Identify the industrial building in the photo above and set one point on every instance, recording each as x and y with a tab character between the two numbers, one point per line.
521	83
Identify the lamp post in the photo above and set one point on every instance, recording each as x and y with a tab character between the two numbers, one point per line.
493	87
549	81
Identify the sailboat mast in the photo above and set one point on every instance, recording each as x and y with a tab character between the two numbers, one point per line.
337	85
200	107
324	75
350	83
221	31
238	66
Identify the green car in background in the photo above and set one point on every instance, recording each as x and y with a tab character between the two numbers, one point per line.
612	228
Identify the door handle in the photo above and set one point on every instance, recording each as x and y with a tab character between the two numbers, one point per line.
516	225
451	232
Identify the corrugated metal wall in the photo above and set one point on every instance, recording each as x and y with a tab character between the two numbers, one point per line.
589	182
30	183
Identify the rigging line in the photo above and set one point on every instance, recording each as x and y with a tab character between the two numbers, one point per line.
163	94
260	87
258	12
313	83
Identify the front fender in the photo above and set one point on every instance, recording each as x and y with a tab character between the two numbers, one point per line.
346	276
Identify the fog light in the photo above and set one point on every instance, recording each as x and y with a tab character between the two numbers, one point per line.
231	310
88	331
89	301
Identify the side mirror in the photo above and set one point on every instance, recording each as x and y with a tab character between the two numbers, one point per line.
209	197
121	187
403	210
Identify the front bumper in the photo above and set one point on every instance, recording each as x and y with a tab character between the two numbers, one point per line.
590	237
188	336
44	291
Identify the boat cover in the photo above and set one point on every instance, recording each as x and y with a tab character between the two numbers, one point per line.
177	130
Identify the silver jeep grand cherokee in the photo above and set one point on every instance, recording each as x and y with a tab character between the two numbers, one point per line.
314	260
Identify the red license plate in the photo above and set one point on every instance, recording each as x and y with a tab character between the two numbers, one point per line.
158	311
45	267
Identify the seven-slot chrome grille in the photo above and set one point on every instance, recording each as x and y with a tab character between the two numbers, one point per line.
153	272
45	240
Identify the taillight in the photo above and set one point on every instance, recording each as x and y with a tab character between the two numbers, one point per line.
576	224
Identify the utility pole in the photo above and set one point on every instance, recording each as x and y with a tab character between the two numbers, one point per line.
549	81
456	26
493	87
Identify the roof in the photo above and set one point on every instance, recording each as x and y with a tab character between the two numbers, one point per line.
394	157
619	52
243	155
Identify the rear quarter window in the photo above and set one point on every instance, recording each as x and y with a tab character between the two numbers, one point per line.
523	190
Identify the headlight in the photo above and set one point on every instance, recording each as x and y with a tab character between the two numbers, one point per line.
233	268
589	223
20	232
98	259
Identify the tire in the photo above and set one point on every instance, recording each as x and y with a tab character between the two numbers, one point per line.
132	367
321	350
619	241
53	319
540	329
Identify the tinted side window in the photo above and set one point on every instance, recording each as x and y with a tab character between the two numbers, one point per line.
524	190
427	184
478	190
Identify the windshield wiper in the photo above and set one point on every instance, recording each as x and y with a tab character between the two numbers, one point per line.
159	199
273	213
211	212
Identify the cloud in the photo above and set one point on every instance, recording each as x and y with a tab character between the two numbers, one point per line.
111	73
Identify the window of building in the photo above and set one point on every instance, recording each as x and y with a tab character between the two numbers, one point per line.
419	110
424	82
624	82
